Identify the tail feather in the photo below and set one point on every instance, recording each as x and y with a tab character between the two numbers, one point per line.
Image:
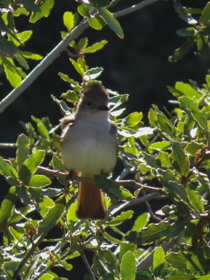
90	203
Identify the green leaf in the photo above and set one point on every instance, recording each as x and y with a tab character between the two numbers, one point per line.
179	191
68	20
30	55
180	157
51	218
141	222
19	215
125	247
128	266
177	260
23	36
77	67
46	204
204	31
70	96
188	90
7	207
45	8
43	131
22	151
7	46
165	125
31	164
183	50
133	119
195	200
14	78
186	32
66	265
205	15
159	146
111	21
65	110
6	169
71	214
38	181
66	78
111	188
21	60
158	259
83	10
148	235
112	239
95	47
196	114
203	48
192	147
93	73
82	44
29	5
97	22
183	13
121	218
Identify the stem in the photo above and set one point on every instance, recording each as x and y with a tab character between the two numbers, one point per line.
29	254
87	265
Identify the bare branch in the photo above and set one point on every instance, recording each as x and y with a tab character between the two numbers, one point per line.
87	264
134	8
29	254
8	145
116	208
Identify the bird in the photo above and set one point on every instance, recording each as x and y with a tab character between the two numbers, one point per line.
89	147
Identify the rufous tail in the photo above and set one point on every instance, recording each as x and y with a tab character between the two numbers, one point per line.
90	202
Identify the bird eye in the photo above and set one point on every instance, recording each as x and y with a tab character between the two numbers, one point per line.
89	103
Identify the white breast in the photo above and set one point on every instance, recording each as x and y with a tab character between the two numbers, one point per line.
89	148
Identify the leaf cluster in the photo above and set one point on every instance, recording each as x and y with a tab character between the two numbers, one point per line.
198	33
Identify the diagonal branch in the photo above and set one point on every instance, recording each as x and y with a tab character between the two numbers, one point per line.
74	34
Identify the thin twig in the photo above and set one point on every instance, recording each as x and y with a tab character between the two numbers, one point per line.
82	254
29	254
149	208
115	208
8	145
134	8
69	252
48	60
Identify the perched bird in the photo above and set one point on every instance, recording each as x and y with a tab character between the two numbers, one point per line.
89	147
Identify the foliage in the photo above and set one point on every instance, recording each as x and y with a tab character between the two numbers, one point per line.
173	151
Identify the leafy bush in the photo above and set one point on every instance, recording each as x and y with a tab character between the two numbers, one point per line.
173	151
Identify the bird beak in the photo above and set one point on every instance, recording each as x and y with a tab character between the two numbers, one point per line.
103	108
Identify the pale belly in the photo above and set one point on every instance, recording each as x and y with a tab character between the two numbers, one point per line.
89	149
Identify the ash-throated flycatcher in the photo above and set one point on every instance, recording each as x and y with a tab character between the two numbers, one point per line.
89	147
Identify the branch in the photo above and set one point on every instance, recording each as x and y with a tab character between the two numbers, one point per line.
74	34
29	254
115	208
134	8
125	183
69	252
82	254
